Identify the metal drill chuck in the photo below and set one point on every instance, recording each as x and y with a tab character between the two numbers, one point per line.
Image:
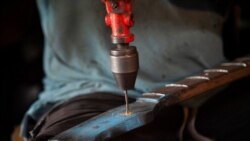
124	65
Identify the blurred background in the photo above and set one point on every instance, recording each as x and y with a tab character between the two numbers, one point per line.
21	45
21	48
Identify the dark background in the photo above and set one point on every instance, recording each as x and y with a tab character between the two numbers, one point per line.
21	45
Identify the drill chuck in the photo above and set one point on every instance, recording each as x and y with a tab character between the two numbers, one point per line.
124	65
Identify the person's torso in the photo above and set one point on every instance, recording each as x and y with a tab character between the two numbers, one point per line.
174	38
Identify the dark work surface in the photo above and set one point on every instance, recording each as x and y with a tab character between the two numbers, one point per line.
226	116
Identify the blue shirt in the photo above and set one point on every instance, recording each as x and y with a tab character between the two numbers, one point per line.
173	42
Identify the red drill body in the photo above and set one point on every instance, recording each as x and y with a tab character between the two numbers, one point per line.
119	17
124	58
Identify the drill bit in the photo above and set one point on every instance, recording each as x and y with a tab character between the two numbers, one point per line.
124	65
126	102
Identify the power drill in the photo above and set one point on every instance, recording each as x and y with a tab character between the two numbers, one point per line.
124	58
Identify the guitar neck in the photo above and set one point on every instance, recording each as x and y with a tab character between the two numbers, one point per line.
199	84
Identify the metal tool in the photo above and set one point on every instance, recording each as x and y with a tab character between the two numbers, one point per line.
124	58
112	123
